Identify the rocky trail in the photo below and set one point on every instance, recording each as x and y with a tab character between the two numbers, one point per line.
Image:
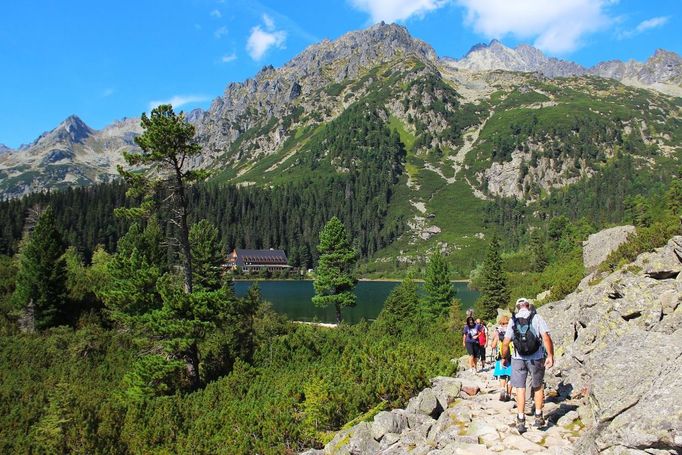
614	388
461	416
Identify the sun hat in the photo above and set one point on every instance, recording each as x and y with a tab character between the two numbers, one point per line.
522	301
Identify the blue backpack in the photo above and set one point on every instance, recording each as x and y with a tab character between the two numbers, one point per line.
525	341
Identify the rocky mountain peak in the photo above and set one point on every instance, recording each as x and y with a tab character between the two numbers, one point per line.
523	58
4	149
72	130
380	42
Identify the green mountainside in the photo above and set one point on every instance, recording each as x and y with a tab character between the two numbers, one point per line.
432	168
413	153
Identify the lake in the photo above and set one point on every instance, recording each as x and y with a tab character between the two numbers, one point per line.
293	298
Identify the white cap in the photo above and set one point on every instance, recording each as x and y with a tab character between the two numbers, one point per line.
522	301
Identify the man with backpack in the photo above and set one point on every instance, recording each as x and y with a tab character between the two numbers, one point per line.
533	352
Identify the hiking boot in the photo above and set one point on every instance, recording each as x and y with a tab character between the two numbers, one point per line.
507	397
539	421
503	396
520	425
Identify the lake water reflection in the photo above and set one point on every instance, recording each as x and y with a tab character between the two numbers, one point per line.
293	298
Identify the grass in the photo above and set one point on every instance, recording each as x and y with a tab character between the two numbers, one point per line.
406	137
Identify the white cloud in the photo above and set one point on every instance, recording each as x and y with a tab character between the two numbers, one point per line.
260	41
643	26
557	26
396	10
217	14
227	58
179	100
269	23
219	33
654	22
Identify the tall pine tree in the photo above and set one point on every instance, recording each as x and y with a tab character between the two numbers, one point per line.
167	146
334	276
494	289
439	289
40	292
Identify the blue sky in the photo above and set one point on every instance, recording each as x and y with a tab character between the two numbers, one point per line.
106	60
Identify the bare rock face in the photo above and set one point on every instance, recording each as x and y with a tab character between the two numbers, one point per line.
661	72
625	354
275	93
72	154
598	246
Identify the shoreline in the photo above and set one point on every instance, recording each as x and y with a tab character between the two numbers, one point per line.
369	280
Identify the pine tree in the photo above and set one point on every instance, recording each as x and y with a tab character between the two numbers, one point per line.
206	255
439	288
494	289
41	278
167	145
400	309
538	254
673	197
334	276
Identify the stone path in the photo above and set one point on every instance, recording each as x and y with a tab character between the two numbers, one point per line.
461	416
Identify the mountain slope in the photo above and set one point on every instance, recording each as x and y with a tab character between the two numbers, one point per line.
661	72
72	154
475	143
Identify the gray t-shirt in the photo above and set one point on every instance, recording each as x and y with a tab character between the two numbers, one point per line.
538	326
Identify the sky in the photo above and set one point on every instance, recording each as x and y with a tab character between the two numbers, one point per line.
104	61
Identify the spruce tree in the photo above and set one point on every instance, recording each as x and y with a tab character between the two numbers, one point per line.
439	288
494	289
334	275
40	292
400	309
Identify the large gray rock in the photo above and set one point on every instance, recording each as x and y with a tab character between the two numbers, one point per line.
598	246
425	403
625	353
362	442
446	390
387	422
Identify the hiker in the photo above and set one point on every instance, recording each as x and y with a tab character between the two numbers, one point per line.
482	341
529	333
503	373
470	341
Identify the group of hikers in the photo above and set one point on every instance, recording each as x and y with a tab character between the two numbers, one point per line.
521	348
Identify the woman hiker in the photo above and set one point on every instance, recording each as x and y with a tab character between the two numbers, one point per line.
482	341
501	372
470	341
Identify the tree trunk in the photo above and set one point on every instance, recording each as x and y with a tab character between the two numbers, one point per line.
27	321
184	230
338	314
187	252
191	357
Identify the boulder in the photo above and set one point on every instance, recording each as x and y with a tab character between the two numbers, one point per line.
670	300
598	246
446	390
425	403
388	440
387	422
362	442
568	418
471	390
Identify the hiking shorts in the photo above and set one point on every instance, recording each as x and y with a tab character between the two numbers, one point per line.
473	349
520	370
481	352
